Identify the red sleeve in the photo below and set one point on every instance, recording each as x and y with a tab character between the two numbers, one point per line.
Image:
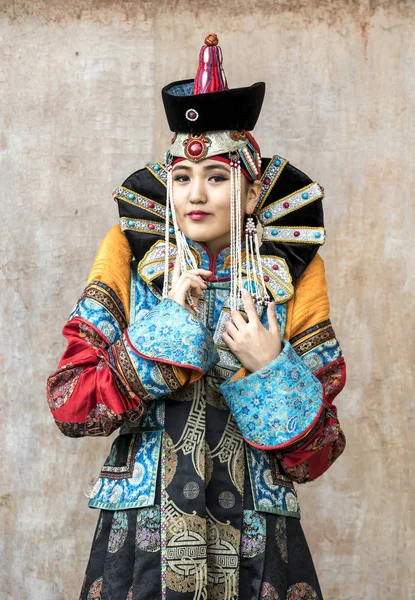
87	394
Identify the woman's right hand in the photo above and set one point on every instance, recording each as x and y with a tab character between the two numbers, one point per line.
188	282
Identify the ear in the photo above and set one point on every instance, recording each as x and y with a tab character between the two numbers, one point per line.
253	195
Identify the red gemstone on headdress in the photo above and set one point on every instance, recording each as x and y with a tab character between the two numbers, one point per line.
171	265
151	204
322	189
267	180
296	233
286	205
195	149
275	267
266	278
151	225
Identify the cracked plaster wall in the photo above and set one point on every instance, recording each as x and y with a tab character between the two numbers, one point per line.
80	109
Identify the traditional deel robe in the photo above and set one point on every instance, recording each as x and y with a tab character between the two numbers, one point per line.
197	494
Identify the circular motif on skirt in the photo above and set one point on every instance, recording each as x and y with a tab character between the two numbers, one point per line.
226	499
191	490
222	561
147	535
119	530
268	592
186	553
192	114
301	591
95	590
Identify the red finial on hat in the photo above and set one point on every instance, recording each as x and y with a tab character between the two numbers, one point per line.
210	76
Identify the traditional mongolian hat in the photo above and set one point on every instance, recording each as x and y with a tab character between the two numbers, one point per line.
209	120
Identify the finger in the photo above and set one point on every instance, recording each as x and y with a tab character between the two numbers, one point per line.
176	273
239	319
194	278
200	272
228	340
249	306
231	329
272	319
186	285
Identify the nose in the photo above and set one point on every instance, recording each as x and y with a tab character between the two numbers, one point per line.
197	192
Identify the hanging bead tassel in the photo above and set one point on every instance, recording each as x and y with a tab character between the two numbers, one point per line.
235	234
255	274
185	256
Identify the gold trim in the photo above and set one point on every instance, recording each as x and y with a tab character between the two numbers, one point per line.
154	174
282	167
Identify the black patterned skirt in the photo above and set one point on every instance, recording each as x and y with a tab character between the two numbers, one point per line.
274	561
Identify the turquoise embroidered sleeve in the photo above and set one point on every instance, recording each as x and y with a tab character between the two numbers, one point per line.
171	334
278	404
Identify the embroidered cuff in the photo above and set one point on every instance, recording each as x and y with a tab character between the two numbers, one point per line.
170	333
278	404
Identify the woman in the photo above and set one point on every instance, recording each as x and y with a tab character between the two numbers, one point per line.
215	354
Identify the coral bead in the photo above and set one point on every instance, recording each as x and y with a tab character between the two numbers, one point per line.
275	267
151	225
151	204
296	233
286	205
267	180
266	278
195	149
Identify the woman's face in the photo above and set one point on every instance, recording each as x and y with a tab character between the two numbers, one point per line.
201	193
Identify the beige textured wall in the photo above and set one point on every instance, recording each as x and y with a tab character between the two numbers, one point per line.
80	110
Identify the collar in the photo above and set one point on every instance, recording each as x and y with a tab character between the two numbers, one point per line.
277	274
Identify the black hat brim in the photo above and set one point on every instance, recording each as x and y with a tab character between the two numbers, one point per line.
234	109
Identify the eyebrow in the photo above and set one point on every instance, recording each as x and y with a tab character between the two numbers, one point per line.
206	168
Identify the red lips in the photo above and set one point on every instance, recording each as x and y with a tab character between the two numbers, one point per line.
197	215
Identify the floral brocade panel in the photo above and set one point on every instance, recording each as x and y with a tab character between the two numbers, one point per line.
157	337
129	486
276	403
268	496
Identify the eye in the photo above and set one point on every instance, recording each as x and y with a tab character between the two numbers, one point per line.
181	178
218	178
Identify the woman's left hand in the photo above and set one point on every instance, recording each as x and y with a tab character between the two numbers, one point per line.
252	344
